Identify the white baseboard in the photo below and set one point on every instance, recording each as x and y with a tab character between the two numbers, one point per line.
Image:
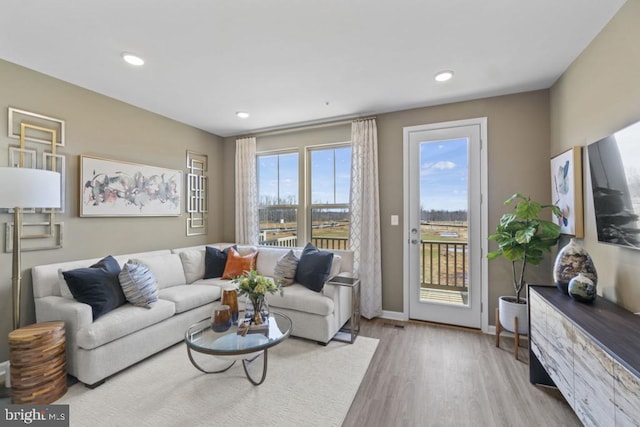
491	330
394	315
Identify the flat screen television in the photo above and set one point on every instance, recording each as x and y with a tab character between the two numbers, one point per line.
614	162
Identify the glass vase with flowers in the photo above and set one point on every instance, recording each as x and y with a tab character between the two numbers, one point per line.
255	286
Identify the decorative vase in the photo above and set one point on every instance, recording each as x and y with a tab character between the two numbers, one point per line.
572	260
509	310
230	298
582	288
221	318
257	310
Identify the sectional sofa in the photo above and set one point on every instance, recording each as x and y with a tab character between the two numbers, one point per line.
129	334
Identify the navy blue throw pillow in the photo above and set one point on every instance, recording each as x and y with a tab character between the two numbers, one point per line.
314	267
97	286
215	261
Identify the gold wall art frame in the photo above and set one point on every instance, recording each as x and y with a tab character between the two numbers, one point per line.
36	132
113	188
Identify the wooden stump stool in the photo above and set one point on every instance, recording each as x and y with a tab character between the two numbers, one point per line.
38	363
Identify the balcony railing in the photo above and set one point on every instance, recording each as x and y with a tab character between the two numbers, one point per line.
444	264
320	242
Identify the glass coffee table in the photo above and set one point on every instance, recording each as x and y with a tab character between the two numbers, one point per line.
229	346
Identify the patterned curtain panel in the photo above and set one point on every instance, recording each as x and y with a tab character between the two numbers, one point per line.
247	226
364	236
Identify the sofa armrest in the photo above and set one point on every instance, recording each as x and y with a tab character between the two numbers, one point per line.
74	314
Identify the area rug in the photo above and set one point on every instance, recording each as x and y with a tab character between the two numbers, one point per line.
306	384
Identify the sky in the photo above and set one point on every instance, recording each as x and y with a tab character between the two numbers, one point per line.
443	175
324	188
444	171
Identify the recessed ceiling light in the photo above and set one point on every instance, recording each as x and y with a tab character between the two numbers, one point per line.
242	114
443	76
132	59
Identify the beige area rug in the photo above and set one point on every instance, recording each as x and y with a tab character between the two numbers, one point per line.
307	384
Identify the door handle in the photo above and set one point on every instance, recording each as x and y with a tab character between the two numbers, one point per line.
414	241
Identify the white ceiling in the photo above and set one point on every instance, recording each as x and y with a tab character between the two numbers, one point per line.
284	60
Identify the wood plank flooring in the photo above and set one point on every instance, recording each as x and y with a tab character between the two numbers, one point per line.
433	375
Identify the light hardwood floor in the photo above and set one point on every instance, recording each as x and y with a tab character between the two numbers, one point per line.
433	375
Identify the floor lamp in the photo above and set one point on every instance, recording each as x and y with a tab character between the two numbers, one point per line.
25	188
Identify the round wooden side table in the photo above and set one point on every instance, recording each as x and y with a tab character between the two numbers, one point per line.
38	363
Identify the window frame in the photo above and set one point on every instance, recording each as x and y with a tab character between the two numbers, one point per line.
309	205
297	207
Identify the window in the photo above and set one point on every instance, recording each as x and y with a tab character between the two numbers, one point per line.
278	198
329	205
322	216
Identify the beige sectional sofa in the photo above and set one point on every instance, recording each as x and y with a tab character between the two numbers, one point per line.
128	334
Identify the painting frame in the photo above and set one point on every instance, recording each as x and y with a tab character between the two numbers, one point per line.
566	191
114	188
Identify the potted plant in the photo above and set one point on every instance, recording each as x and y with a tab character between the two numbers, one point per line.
522	238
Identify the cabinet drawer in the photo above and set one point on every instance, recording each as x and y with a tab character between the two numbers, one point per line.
594	383
627	397
560	337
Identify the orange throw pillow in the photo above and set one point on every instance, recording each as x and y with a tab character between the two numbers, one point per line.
238	265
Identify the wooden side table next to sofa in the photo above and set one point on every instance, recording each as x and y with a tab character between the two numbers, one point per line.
38	363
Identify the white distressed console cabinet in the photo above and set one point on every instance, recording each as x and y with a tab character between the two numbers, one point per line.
590	352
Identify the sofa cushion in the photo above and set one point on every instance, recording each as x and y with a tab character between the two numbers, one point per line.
186	297
217	281
237	264
267	259
215	260
298	297
285	270
167	269
97	286
122	321
193	264
139	285
314	267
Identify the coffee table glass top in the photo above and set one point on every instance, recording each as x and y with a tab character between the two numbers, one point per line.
201	338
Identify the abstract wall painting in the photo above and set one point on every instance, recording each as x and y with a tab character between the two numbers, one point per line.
566	191
115	188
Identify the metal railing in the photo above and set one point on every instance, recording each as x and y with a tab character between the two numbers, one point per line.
444	263
320	242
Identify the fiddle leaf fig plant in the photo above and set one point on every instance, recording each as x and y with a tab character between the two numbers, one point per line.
523	237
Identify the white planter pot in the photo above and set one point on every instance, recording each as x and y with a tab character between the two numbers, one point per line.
510	310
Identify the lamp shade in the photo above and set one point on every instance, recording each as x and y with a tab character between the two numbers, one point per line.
29	188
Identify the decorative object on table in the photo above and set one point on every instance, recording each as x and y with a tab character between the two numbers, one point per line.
230	298
197	193
221	318
115	188
582	288
30	188
523	237
255	286
566	191
571	260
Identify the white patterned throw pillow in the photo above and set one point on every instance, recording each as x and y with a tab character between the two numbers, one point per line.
285	270
138	284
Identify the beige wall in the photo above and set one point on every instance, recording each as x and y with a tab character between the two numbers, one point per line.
100	126
518	151
600	94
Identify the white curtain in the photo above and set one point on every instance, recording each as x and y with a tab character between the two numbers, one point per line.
247	226
364	236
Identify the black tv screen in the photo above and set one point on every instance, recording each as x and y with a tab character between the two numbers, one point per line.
614	162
